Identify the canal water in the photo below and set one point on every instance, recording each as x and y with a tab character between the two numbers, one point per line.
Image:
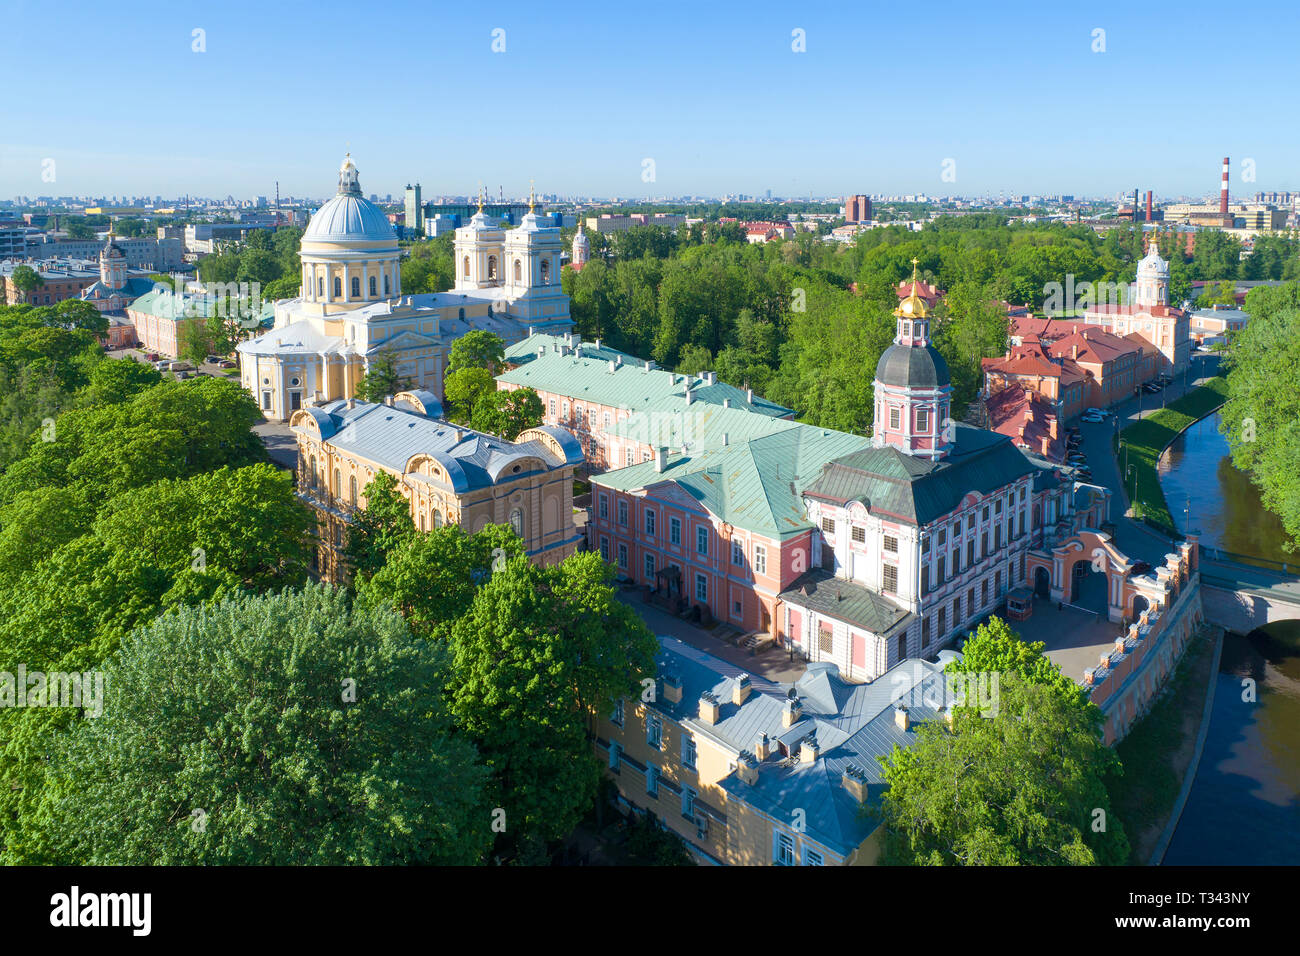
1244	805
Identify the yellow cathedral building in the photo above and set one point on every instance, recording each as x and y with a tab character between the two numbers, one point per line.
351	308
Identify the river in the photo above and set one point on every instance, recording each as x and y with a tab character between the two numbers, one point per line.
1244	805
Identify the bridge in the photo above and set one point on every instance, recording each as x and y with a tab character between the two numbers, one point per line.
1240	592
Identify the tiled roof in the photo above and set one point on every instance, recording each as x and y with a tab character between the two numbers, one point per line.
1010	409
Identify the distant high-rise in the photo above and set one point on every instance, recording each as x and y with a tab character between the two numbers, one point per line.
857	208
414	208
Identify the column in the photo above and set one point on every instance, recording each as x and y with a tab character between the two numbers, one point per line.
347	283
329	285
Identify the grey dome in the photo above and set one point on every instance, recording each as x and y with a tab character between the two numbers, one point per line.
907	367
349	217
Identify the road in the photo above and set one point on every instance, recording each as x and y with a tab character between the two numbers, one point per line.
1132	537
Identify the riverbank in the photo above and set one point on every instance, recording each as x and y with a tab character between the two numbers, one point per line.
1142	443
1158	753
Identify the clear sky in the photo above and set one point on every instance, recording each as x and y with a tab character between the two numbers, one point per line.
1013	93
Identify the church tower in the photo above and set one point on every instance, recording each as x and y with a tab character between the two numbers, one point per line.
480	252
913	390
581	249
112	264
1152	285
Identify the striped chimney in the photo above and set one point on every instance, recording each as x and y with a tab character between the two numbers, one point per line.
1223	191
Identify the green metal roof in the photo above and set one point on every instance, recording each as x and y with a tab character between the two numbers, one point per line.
756	485
628	386
525	350
916	490
821	591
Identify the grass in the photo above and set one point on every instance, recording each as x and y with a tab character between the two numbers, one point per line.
1147	438
1157	751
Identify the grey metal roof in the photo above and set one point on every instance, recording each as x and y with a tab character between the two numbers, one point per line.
853	725
392	436
916	490
906	366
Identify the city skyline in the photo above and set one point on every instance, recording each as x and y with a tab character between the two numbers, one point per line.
1019	101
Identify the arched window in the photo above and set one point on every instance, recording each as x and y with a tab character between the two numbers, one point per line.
492	267
465	267
518	270
353	490
374	286
385	283
437	518
320	285
311	472
338	483
462	313
517	521
356	287
546	271
338	287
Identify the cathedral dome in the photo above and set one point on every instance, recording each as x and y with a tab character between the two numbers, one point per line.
349	216
905	366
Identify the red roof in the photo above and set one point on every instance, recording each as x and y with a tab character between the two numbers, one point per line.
1014	409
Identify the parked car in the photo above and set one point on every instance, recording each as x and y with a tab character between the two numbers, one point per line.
213	359
181	366
1094	416
225	363
162	365
1150	388
151	356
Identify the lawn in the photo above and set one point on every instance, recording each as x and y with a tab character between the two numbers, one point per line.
1147	438
1157	751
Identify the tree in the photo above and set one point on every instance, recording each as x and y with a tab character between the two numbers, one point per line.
507	412
537	653
1220	293
26	280
381	378
339	752
996	648
477	349
432	578
1025	786
465	389
380	527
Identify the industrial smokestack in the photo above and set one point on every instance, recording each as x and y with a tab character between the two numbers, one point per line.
1223	191
1148	205
1135	205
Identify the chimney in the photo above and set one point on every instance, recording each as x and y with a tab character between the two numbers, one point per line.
1074	350
1148	205
791	713
618	359
855	782
577	351
597	343
672	688
724	439
747	767
650	364
741	689
352	403
749	395
708	708
541	351
690	396
902	719
726	403
712	377
660	454
1223	191
531	330
808	749
762	749
1051	427
1046	444
388	400
613	366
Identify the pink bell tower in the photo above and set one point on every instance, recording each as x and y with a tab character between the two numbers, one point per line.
913	389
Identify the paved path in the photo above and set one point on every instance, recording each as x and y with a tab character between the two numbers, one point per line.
281	444
771	665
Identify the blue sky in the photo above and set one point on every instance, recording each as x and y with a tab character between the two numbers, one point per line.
584	92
